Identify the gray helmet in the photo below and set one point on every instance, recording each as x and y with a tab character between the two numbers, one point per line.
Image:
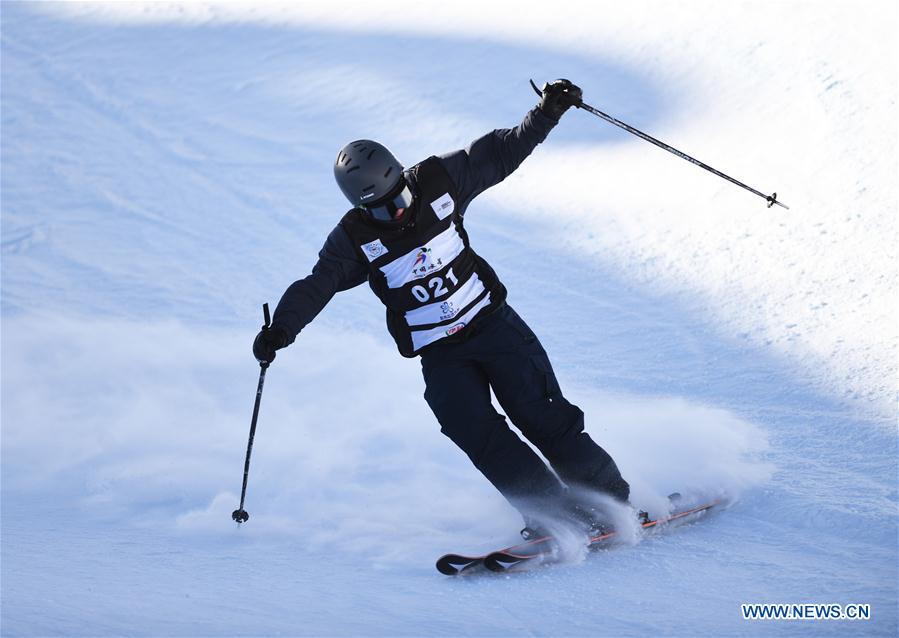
367	172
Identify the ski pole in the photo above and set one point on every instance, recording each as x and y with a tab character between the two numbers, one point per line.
771	199
240	514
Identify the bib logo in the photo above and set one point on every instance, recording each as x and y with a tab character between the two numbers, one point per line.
422	258
424	263
455	329
447	310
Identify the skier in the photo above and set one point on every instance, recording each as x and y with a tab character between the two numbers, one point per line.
405	236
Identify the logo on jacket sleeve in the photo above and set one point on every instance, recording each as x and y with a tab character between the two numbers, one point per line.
443	206
374	249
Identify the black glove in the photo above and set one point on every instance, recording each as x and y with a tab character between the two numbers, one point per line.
558	97
267	341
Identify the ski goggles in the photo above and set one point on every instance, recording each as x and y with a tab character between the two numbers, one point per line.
385	211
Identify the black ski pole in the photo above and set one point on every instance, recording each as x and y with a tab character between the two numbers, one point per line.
771	199
240	514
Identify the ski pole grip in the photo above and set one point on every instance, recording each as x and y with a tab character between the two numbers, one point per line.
268	317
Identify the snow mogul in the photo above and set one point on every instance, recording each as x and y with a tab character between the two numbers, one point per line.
405	235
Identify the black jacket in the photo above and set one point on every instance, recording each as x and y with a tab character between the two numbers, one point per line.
485	162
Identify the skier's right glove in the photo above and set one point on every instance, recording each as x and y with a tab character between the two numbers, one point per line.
558	97
267	342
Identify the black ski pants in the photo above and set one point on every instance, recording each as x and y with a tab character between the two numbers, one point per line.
503	353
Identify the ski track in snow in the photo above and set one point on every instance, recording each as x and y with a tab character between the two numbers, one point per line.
166	169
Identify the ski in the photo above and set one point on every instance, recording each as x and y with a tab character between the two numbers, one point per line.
454	564
544	550
540	550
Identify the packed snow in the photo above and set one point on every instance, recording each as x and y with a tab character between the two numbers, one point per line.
166	169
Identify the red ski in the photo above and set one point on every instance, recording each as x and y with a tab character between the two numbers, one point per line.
541	550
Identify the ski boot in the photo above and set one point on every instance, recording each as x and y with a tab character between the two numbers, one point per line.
590	520
530	533
532	530
643	516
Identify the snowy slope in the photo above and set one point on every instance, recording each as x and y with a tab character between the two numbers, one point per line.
166	169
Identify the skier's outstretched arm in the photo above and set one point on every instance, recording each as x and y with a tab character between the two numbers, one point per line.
338	268
491	158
